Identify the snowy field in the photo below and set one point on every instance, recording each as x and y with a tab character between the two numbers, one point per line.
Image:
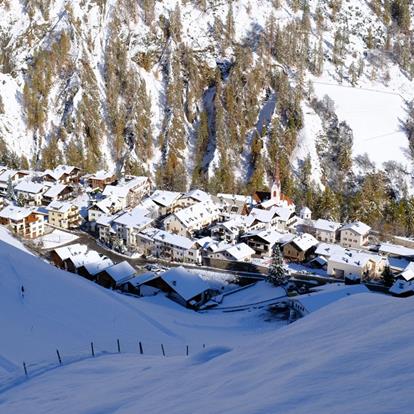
354	356
55	239
64	311
375	117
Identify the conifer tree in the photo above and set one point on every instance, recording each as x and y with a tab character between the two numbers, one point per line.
276	273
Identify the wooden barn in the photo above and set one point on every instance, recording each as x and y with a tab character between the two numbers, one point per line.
114	276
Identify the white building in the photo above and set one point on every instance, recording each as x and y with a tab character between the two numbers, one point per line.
240	252
23	221
188	220
167	201
326	230
354	234
352	263
29	192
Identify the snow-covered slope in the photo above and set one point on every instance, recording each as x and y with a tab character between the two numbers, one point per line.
64	311
354	356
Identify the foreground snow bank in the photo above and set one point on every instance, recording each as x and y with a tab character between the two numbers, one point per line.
354	356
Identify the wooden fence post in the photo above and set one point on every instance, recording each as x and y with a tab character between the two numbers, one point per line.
119	346
141	351
25	368
187	351
92	350
162	349
58	355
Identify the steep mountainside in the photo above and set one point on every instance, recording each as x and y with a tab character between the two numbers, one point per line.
210	93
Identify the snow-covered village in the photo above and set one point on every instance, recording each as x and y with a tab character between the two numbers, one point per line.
206	206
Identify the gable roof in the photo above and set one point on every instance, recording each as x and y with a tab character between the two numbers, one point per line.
72	250
12	212
358	227
173	239
197	212
29	187
240	251
198	195
304	242
185	283
55	190
120	272
326	225
138	217
165	198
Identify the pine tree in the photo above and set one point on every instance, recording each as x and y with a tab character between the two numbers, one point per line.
387	276
10	190
276	273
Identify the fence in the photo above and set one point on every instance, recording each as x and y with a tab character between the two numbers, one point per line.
65	355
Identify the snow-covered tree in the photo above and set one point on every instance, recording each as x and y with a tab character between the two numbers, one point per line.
276	274
10	191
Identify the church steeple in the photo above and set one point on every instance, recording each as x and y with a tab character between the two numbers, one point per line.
276	191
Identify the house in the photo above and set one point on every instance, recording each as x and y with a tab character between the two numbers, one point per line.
354	234
64	215
404	282
184	287
137	285
101	179
106	206
22	221
300	248
75	262
124	227
167	201
230	230
168	246
12	176
233	203
279	218
29	193
240	252
89	270
60	254
262	241
398	256
302	305
361	264
326	250
187	221
63	174
326	230
115	275
57	192
192	197
130	190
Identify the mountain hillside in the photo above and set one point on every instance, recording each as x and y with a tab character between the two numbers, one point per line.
211	93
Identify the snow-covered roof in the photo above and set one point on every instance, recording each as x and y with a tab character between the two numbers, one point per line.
59	171
105	204
305	241
396	250
143	278
101	175
316	300
408	273
235	224
185	283
138	218
356	259
54	190
5	175
329	249
240	251
165	198
29	187
326	225
173	239
79	260
235	197
15	213
305	210
402	287
198	195
196	213
357	227
116	191
264	216
94	268
61	206
269	236
120	272
72	250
